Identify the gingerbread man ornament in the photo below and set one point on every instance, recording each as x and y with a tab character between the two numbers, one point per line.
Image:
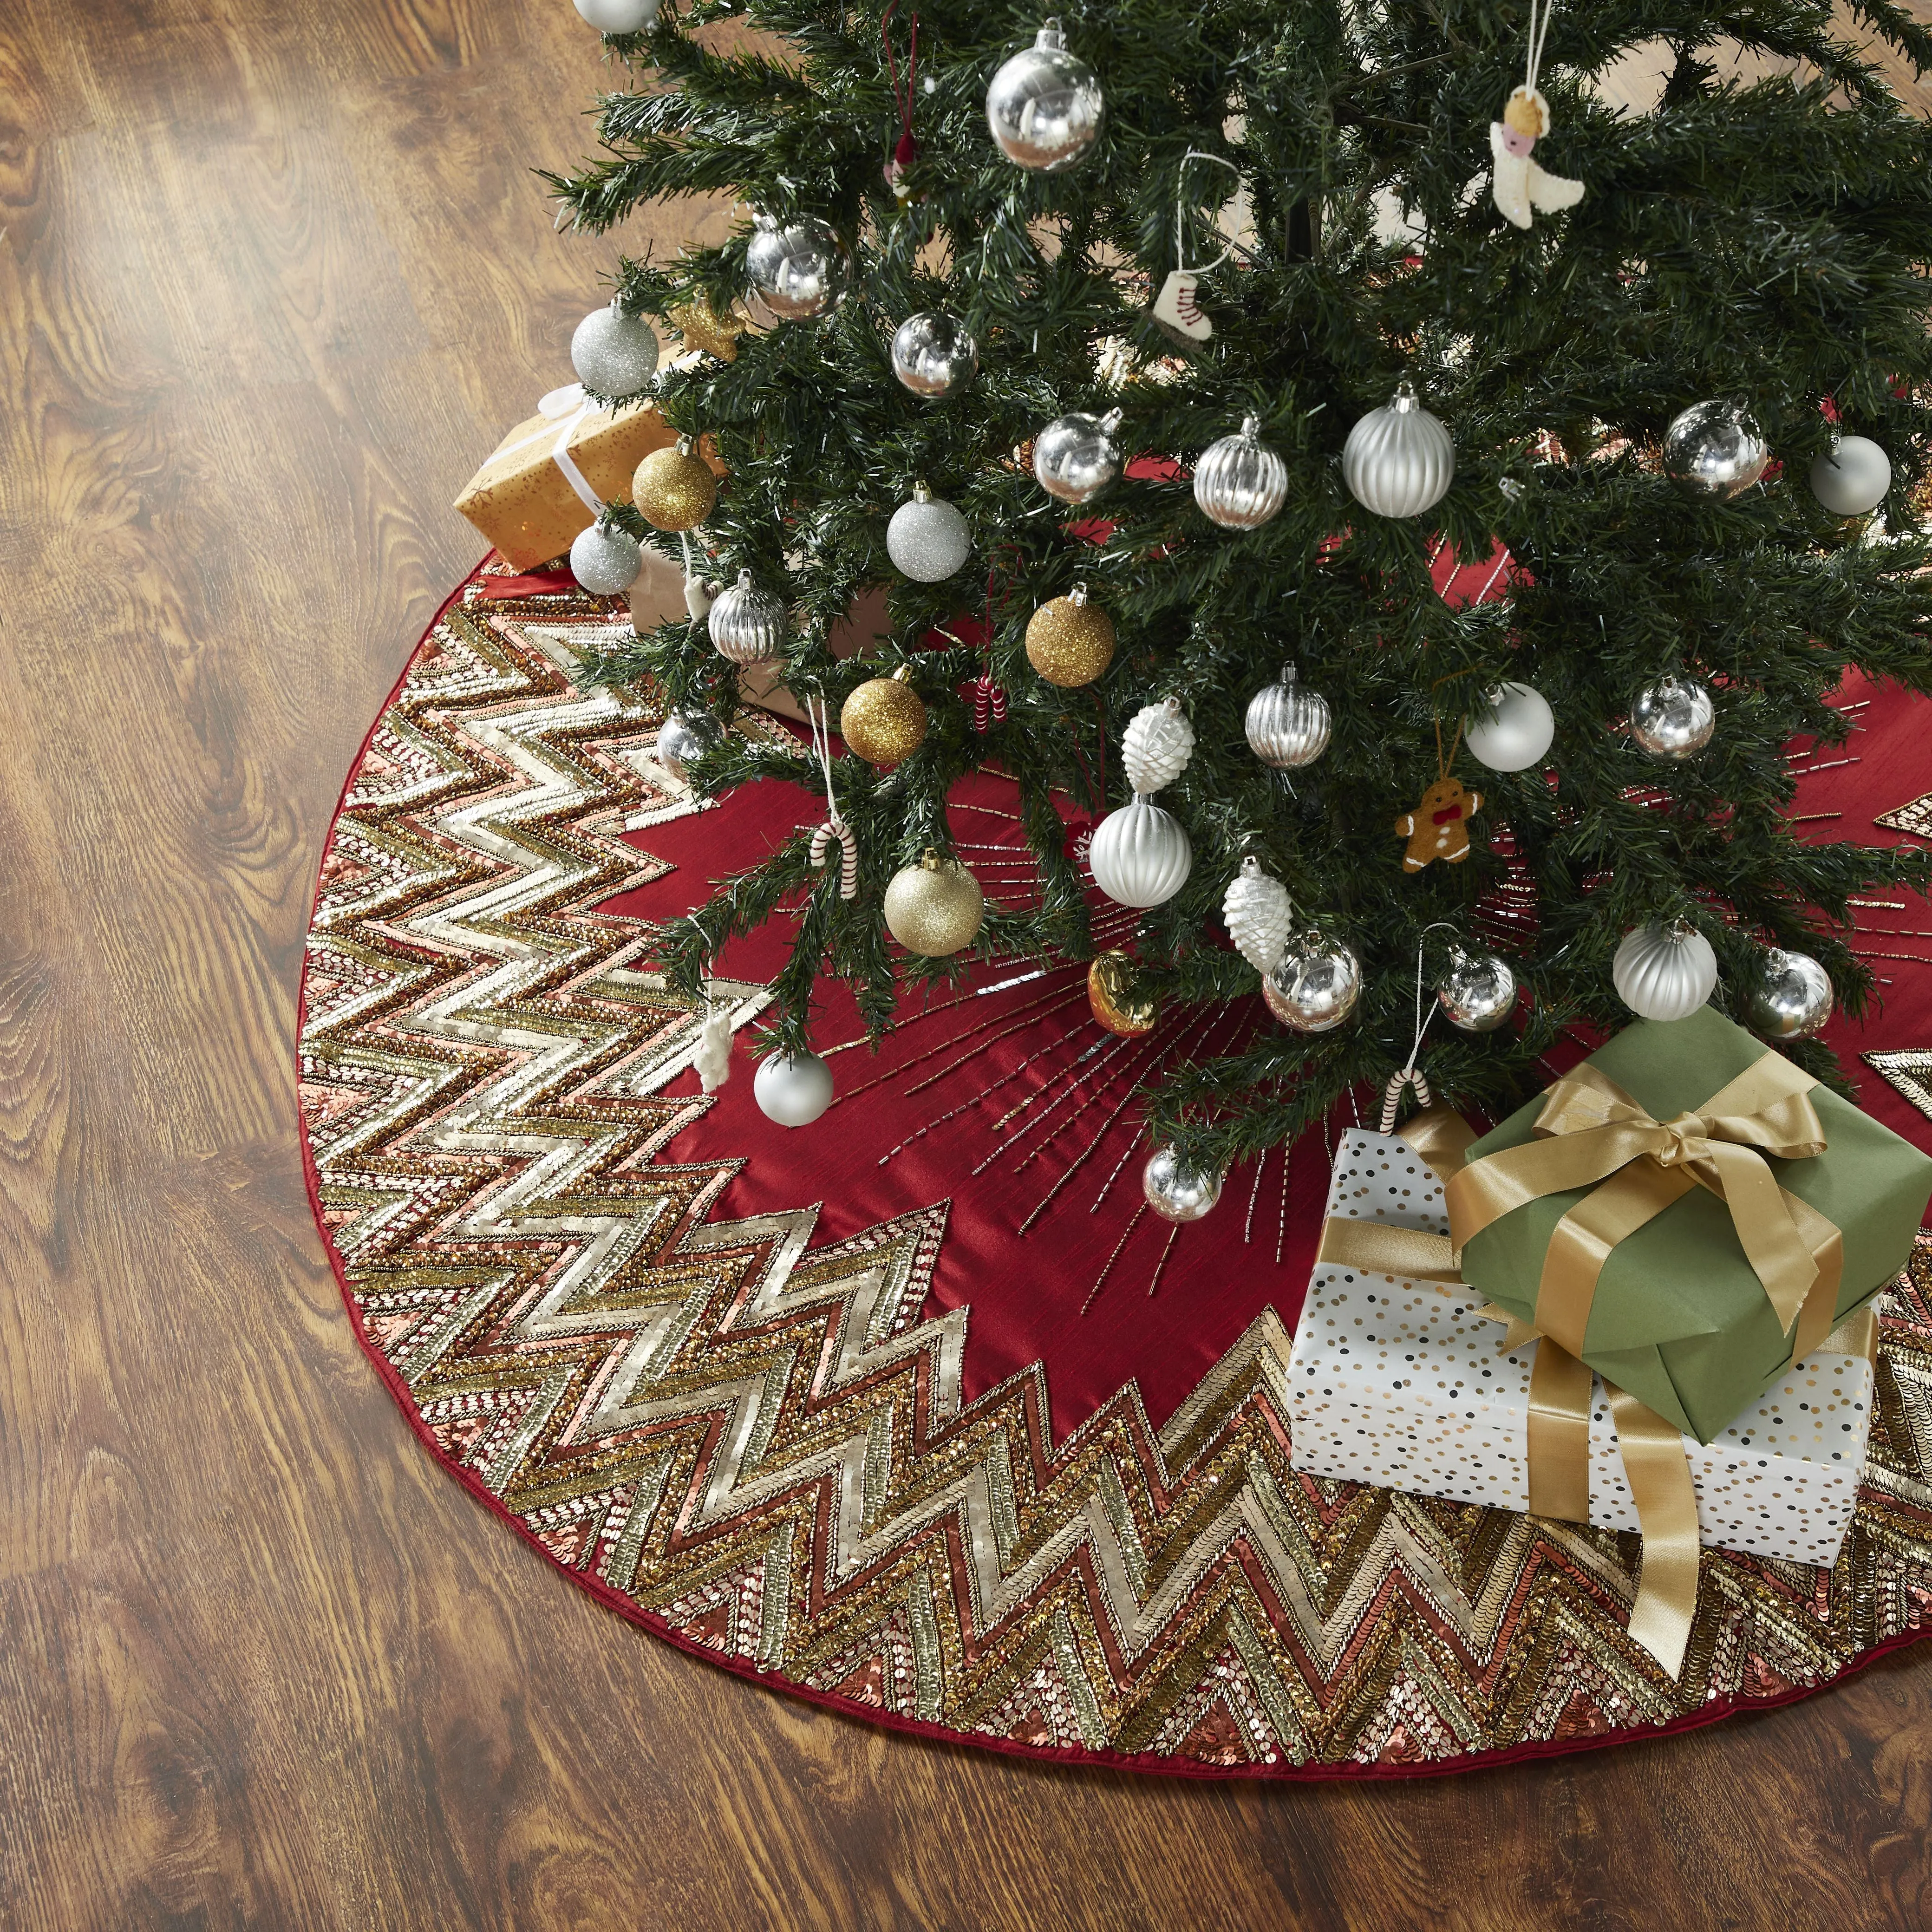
1438	827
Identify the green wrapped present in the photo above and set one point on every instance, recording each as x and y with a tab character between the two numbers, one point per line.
1687	1213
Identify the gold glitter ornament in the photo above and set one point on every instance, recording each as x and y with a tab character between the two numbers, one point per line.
935	907
884	720
700	327
674	489
1113	999
1069	641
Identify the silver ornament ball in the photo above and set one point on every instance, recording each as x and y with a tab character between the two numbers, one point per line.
1793	998
1673	720
1239	483
1664	972
683	738
1478	993
1513	732
1315	986
1287	725
792	1089
1174	1193
1140	855
1076	457
1045	106
606	560
800	271
618	16
613	354
1715	450
1852	476
934	355
747	624
927	538
1399	460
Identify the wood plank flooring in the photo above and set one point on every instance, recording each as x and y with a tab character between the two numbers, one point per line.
273	274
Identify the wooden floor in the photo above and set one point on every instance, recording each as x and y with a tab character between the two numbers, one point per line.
273	275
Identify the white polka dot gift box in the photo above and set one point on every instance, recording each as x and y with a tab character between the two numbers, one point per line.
1404	1383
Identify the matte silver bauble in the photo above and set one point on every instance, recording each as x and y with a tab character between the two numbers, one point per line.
799	271
1399	460
618	16
1852	477
683	738
747	624
1793	999
1140	855
606	560
1045	106
927	538
1672	720
1287	725
613	354
1714	449
1664	972
1174	1193
792	1089
1479	992
1315	987
1076	457
1239	483
1513	732
933	356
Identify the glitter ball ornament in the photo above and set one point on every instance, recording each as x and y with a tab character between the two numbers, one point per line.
1399	460
1852	477
1156	746
927	538
1714	449
933	356
673	488
1664	972
1287	725
935	907
1513	732
1113	999
1315	986
883	721
1258	916
683	738
1076	457
618	16
1239	483
800	271
1792	1000
605	559
613	354
1479	991
1070	641
1673	720
792	1089
747	624
1140	855
1174	1192
1045	106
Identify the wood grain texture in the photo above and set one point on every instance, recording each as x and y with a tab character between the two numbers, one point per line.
273	274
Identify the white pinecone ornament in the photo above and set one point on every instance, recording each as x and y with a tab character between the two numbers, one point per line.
1258	917
1157	745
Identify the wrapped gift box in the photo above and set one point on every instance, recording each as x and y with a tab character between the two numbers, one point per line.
1404	1384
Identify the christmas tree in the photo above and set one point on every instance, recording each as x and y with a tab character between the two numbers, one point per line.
1674	353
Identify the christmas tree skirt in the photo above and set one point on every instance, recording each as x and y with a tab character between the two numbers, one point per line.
917	1412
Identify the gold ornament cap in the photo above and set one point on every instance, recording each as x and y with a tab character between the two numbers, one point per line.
884	719
674	489
935	907
1113	1000
1069	641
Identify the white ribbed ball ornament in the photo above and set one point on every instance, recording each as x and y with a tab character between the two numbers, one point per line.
1399	460
792	1089
613	354
606	560
1287	725
1140	855
927	538
1664	972
1259	916
1239	483
1852	477
1156	746
1514	732
618	16
746	623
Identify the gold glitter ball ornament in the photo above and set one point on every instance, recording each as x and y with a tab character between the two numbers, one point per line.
1115	1002
884	720
701	328
674	489
1069	641
935	907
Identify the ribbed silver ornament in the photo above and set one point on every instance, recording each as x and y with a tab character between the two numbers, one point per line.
1287	725
747	624
1399	460
1664	972
1239	483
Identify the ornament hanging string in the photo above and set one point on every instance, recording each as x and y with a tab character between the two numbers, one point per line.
905	150
1539	32
1200	268
835	829
1412	1075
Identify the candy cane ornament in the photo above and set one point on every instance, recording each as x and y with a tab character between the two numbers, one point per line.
835	830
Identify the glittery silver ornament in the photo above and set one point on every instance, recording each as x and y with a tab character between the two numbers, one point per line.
1239	483
746	623
1715	449
683	738
605	559
792	1089
933	356
1156	745
1140	855
1664	972
1315	986
613	354
1513	731
1287	725
1174	1193
1478	993
1076	457
618	16
1399	460
1793	998
1045	106
1256	912
1852	476
800	271
927	538
1673	720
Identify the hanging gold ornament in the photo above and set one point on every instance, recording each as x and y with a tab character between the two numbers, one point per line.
935	907
674	489
702	328
1069	641
884	720
1115	1003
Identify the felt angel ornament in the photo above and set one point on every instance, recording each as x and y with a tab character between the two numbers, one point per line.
1520	185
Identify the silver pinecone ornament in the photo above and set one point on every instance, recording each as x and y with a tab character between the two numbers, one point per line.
1259	916
747	624
1156	746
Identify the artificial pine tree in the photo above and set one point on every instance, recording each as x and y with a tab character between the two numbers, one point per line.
1766	241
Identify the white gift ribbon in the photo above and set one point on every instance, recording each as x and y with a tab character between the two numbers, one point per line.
570	403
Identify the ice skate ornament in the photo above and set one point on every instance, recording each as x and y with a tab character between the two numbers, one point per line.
1175	308
1520	186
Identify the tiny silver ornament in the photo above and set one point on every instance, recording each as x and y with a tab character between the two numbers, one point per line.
605	559
1673	720
1287	725
792	1089
683	738
934	355
1174	1193
1513	732
1076	457
1852	476
1664	972
1715	450
614	354
1314	986
1140	855
1479	992
1239	483
1258	915
747	623
1045	106
800	271
1793	999
618	16
1399	460
927	538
